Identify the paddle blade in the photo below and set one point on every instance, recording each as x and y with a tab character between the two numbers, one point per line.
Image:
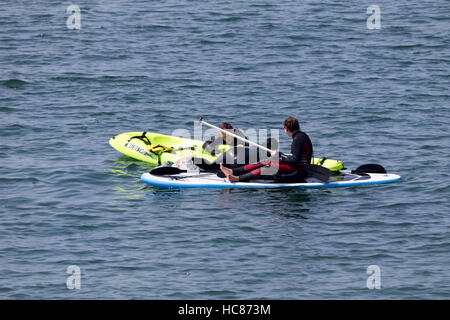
318	172
161	171
369	168
205	165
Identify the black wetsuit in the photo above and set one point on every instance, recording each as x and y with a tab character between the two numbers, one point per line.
301	149
229	156
210	145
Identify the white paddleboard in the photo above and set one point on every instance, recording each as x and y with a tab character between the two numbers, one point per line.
211	180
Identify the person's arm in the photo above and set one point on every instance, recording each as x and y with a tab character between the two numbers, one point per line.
210	146
289	160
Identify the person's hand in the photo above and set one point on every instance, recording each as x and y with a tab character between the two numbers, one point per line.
271	162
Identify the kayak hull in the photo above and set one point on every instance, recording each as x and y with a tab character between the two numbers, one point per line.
137	149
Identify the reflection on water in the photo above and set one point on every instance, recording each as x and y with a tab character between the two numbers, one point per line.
130	165
284	202
131	193
288	203
123	169
225	191
127	172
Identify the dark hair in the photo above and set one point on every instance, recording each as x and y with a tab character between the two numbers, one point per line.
291	124
225	125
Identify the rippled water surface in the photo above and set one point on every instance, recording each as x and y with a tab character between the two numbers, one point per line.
364	96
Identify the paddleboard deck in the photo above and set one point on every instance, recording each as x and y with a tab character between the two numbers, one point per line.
211	180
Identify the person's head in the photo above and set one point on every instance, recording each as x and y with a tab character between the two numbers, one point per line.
290	125
224	126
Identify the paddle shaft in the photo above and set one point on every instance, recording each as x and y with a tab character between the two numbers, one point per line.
236	136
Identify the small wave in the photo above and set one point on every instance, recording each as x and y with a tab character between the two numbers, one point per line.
227	35
14	83
241	68
12	130
205	41
100	79
267	25
6	109
232	19
154	27
192	86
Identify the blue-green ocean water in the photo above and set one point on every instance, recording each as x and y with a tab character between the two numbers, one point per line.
363	96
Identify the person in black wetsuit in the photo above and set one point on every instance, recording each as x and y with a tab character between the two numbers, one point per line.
222	138
301	149
211	146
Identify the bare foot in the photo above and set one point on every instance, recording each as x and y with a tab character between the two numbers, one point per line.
177	163
225	170
232	178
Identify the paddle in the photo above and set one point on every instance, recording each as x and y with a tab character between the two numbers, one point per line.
318	172
205	165
169	171
161	171
370	168
236	136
